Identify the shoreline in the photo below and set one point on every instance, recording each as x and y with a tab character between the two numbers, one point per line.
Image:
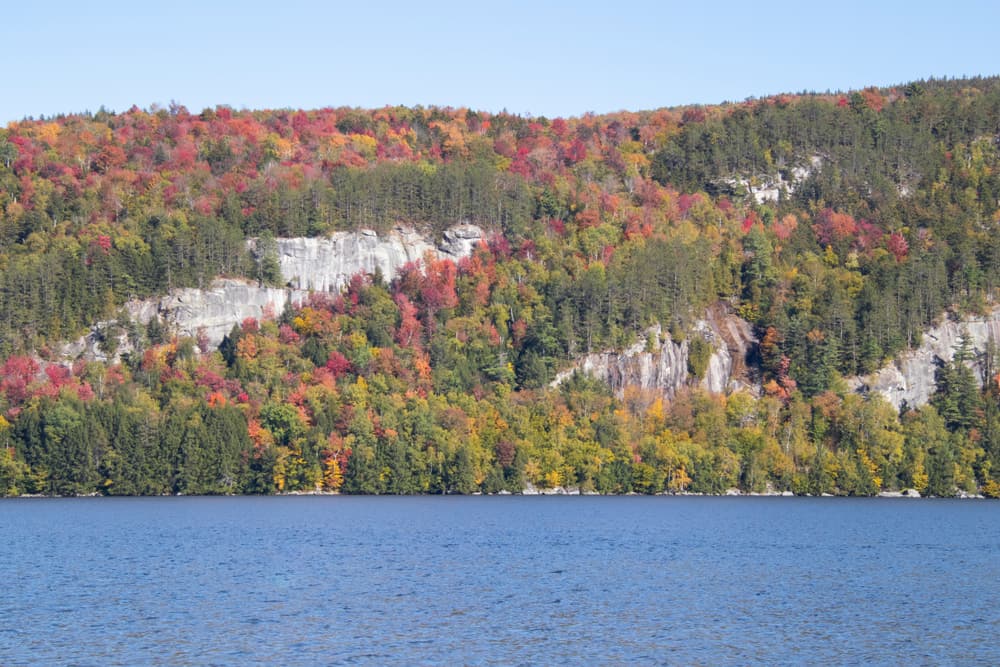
908	494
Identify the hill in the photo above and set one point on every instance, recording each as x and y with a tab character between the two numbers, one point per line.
839	228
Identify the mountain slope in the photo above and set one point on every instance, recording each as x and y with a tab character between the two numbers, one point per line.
881	214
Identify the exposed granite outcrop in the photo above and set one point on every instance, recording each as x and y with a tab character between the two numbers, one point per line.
664	369
307	264
327	264
204	314
765	187
733	342
211	313
909	380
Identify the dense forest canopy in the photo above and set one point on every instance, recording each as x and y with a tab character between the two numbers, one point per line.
839	225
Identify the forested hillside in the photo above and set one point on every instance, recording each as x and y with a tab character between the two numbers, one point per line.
840	226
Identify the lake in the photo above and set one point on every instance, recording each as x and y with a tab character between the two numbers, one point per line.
499	581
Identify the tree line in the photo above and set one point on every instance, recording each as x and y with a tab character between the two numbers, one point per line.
598	227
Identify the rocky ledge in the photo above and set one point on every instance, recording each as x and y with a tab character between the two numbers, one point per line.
909	380
307	264
659	364
327	264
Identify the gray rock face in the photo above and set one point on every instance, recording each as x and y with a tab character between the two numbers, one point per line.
769	187
213	312
307	264
909	379
207	315
460	240
664	370
732	340
327	264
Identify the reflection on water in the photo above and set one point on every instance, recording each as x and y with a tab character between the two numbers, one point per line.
511	580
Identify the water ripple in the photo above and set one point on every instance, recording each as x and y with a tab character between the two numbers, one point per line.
498	581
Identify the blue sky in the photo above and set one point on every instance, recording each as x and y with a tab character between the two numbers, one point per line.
529	57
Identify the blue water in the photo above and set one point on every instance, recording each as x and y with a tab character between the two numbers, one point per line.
499	580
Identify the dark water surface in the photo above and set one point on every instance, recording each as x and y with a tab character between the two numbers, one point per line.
504	580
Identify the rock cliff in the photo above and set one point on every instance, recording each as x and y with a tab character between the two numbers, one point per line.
204	314
327	264
212	312
662	367
307	264
766	187
908	381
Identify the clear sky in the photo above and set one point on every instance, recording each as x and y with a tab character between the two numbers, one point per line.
529	57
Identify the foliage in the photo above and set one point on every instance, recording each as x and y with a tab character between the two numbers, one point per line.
600	227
